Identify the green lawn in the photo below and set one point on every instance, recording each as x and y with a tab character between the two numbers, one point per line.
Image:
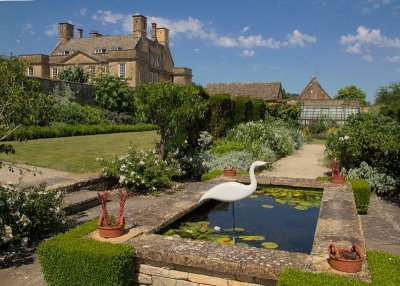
78	154
318	141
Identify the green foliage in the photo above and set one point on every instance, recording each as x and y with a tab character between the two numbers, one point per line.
141	171
321	125
388	95
392	111
65	130
294	277
211	175
370	138
362	194
239	159
287	112
114	94
223	146
76	74
22	101
384	268
72	259
351	92
28	214
221	112
378	181
259	109
173	108
243	109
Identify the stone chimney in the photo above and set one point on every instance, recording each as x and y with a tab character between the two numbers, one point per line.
139	26
154	31
80	33
94	34
163	36
66	32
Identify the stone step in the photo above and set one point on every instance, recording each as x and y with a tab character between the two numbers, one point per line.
79	201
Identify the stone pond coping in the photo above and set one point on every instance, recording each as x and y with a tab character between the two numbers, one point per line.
338	222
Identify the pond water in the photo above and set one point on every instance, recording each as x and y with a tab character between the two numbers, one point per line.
275	218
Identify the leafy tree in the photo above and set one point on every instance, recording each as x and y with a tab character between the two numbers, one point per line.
288	95
173	108
114	94
351	92
388	95
77	74
22	101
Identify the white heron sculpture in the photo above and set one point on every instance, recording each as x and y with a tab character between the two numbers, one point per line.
233	191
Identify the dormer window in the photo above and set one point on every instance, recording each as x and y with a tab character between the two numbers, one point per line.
100	50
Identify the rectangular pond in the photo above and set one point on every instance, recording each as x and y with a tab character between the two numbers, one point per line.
274	218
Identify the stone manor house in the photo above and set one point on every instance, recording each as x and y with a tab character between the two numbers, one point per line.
134	57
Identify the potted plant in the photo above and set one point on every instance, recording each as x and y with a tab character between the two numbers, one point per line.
230	172
337	176
110	226
346	259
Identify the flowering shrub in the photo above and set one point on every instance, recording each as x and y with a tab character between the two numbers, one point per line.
370	138
28	214
240	159
141	171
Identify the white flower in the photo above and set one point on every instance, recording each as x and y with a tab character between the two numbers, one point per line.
346	137
189	231
217	228
141	162
121	179
341	138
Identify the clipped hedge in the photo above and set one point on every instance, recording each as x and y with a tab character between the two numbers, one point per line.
259	109
243	109
220	114
384	268
71	259
211	175
65	130
362	194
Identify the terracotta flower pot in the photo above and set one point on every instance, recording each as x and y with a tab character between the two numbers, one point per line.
338	180
230	172
346	259
110	231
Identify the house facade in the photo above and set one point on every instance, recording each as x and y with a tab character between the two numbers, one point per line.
135	58
267	91
316	103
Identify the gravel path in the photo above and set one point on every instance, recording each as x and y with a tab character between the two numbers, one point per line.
305	163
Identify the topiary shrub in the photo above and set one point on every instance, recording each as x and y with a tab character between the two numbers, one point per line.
243	109
362	194
221	111
71	259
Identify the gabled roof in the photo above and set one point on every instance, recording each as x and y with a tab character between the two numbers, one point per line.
269	91
89	45
314	91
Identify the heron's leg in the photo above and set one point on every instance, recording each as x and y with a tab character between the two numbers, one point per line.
233	223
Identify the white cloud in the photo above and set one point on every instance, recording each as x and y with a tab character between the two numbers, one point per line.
393	59
195	29
106	17
245	29
397	69
82	11
367	58
51	30
247	53
28	29
365	39
370	5
296	38
196	50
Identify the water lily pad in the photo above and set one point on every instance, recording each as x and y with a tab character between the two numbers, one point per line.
280	201
259	192
269	245
253	196
251	237
296	195
266	206
301	208
225	240
237	229
283	194
241	244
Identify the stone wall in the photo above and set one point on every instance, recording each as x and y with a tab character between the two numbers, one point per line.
157	275
84	93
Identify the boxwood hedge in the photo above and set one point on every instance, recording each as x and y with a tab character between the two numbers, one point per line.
362	193
72	259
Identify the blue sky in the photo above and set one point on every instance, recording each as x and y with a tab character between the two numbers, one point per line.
342	42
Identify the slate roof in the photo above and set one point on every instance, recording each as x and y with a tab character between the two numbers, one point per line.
269	91
90	44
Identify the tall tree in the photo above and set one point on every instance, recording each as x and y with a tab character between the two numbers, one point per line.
173	108
388	95
351	92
